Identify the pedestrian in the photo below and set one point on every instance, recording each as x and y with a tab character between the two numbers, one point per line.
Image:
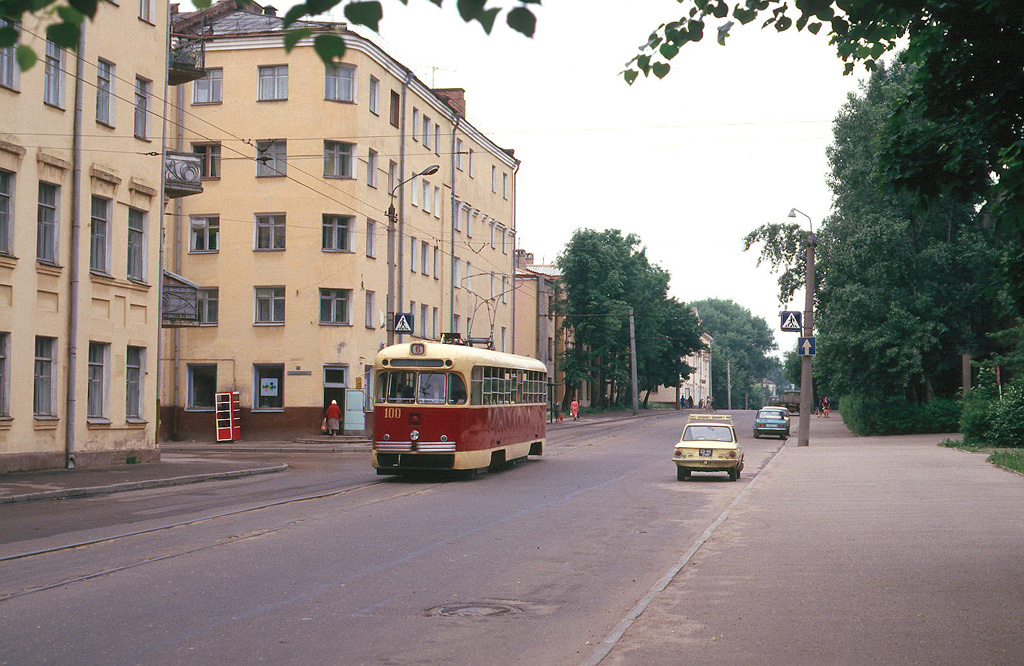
825	405
333	418
558	412
689	401
711	403
682	402
574	409
819	408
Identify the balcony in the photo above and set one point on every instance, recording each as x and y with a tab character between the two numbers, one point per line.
182	174
188	59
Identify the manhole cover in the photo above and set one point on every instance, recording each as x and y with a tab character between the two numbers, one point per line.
474	610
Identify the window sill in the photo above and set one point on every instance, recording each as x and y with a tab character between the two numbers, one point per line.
268	323
201	410
139	282
97	422
135	423
271	175
335	323
337	251
273	99
340	101
340	177
268	410
204	251
49	268
268	249
214	103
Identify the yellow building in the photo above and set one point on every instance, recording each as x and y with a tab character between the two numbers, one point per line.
81	200
697	386
302	273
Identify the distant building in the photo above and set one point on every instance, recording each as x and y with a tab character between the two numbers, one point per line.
299	268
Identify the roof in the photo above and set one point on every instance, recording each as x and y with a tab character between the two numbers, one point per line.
230	17
549	270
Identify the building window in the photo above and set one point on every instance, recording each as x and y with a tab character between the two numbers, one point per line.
8	65
5	374
372	164
469	276
272	82
396	108
6	211
338	161
43	376
143	102
205	234
371	239
437	139
270	232
494	179
337	232
371	309
413	243
437	263
425	258
210	88
433	323
46	223
53	75
504	185
209	164
97	399
458	154
437	202
426	197
472	171
423	320
374	101
147	11
105	75
504	289
415	123
208	305
269	381
269	305
334	306
426	132
494	228
271	158
458	273
99	236
136	244
340	83
414	189
133	378
202	387
504	240
392	176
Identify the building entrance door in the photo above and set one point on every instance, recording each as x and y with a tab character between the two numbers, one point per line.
335	380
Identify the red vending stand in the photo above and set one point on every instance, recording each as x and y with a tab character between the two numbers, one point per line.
228	426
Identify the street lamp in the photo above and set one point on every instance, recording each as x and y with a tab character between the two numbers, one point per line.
392	222
806	386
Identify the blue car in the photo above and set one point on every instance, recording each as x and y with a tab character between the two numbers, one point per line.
771	422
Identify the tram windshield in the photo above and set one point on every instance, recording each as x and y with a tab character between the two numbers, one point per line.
424	388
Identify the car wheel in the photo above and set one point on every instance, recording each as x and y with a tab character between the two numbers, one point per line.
734	473
682	474
756	436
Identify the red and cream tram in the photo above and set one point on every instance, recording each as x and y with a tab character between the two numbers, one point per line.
455	407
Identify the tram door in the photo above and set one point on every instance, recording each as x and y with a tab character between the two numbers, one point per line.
335	379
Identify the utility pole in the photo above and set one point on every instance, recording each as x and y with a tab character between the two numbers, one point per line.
806	380
728	384
632	363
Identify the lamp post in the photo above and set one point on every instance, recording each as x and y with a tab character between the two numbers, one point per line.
806	380
392	223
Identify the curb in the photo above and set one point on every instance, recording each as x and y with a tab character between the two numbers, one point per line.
140	485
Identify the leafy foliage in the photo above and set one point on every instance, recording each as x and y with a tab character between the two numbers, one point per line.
991	417
866	415
604	274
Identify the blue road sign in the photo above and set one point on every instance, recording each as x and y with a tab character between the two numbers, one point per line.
805	346
791	321
403	323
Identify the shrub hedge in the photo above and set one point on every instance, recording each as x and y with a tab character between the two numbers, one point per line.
872	415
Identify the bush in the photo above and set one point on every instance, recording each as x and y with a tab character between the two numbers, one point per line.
991	419
869	415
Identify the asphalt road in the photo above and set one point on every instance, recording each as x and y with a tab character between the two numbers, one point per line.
327	563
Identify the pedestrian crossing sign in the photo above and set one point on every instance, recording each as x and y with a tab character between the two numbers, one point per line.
791	321
403	322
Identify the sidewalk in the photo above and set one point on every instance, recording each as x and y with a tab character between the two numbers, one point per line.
873	550
178	468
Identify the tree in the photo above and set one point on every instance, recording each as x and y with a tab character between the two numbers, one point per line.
604	274
741	341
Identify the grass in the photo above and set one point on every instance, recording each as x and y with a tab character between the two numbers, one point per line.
1012	459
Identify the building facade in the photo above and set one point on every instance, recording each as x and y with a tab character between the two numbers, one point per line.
338	199
81	201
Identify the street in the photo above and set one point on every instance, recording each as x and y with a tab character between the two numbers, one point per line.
328	563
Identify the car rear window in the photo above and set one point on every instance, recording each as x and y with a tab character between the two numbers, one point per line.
769	414
711	433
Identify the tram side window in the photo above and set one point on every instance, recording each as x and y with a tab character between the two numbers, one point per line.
381	394
477	385
401	387
431	389
456	390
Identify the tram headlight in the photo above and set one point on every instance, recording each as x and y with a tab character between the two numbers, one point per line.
386	437
414	435
444	438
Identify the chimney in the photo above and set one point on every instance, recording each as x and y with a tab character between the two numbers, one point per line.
523	258
270	10
454	98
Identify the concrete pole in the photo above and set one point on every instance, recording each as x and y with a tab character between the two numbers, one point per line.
632	363
728	384
806	385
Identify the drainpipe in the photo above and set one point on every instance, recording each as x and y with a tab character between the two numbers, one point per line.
515	170
73	266
451	262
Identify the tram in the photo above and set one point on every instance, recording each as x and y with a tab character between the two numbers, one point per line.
443	406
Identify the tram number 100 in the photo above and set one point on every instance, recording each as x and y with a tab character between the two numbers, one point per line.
392	413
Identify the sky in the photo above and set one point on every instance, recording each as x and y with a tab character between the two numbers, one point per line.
733	138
